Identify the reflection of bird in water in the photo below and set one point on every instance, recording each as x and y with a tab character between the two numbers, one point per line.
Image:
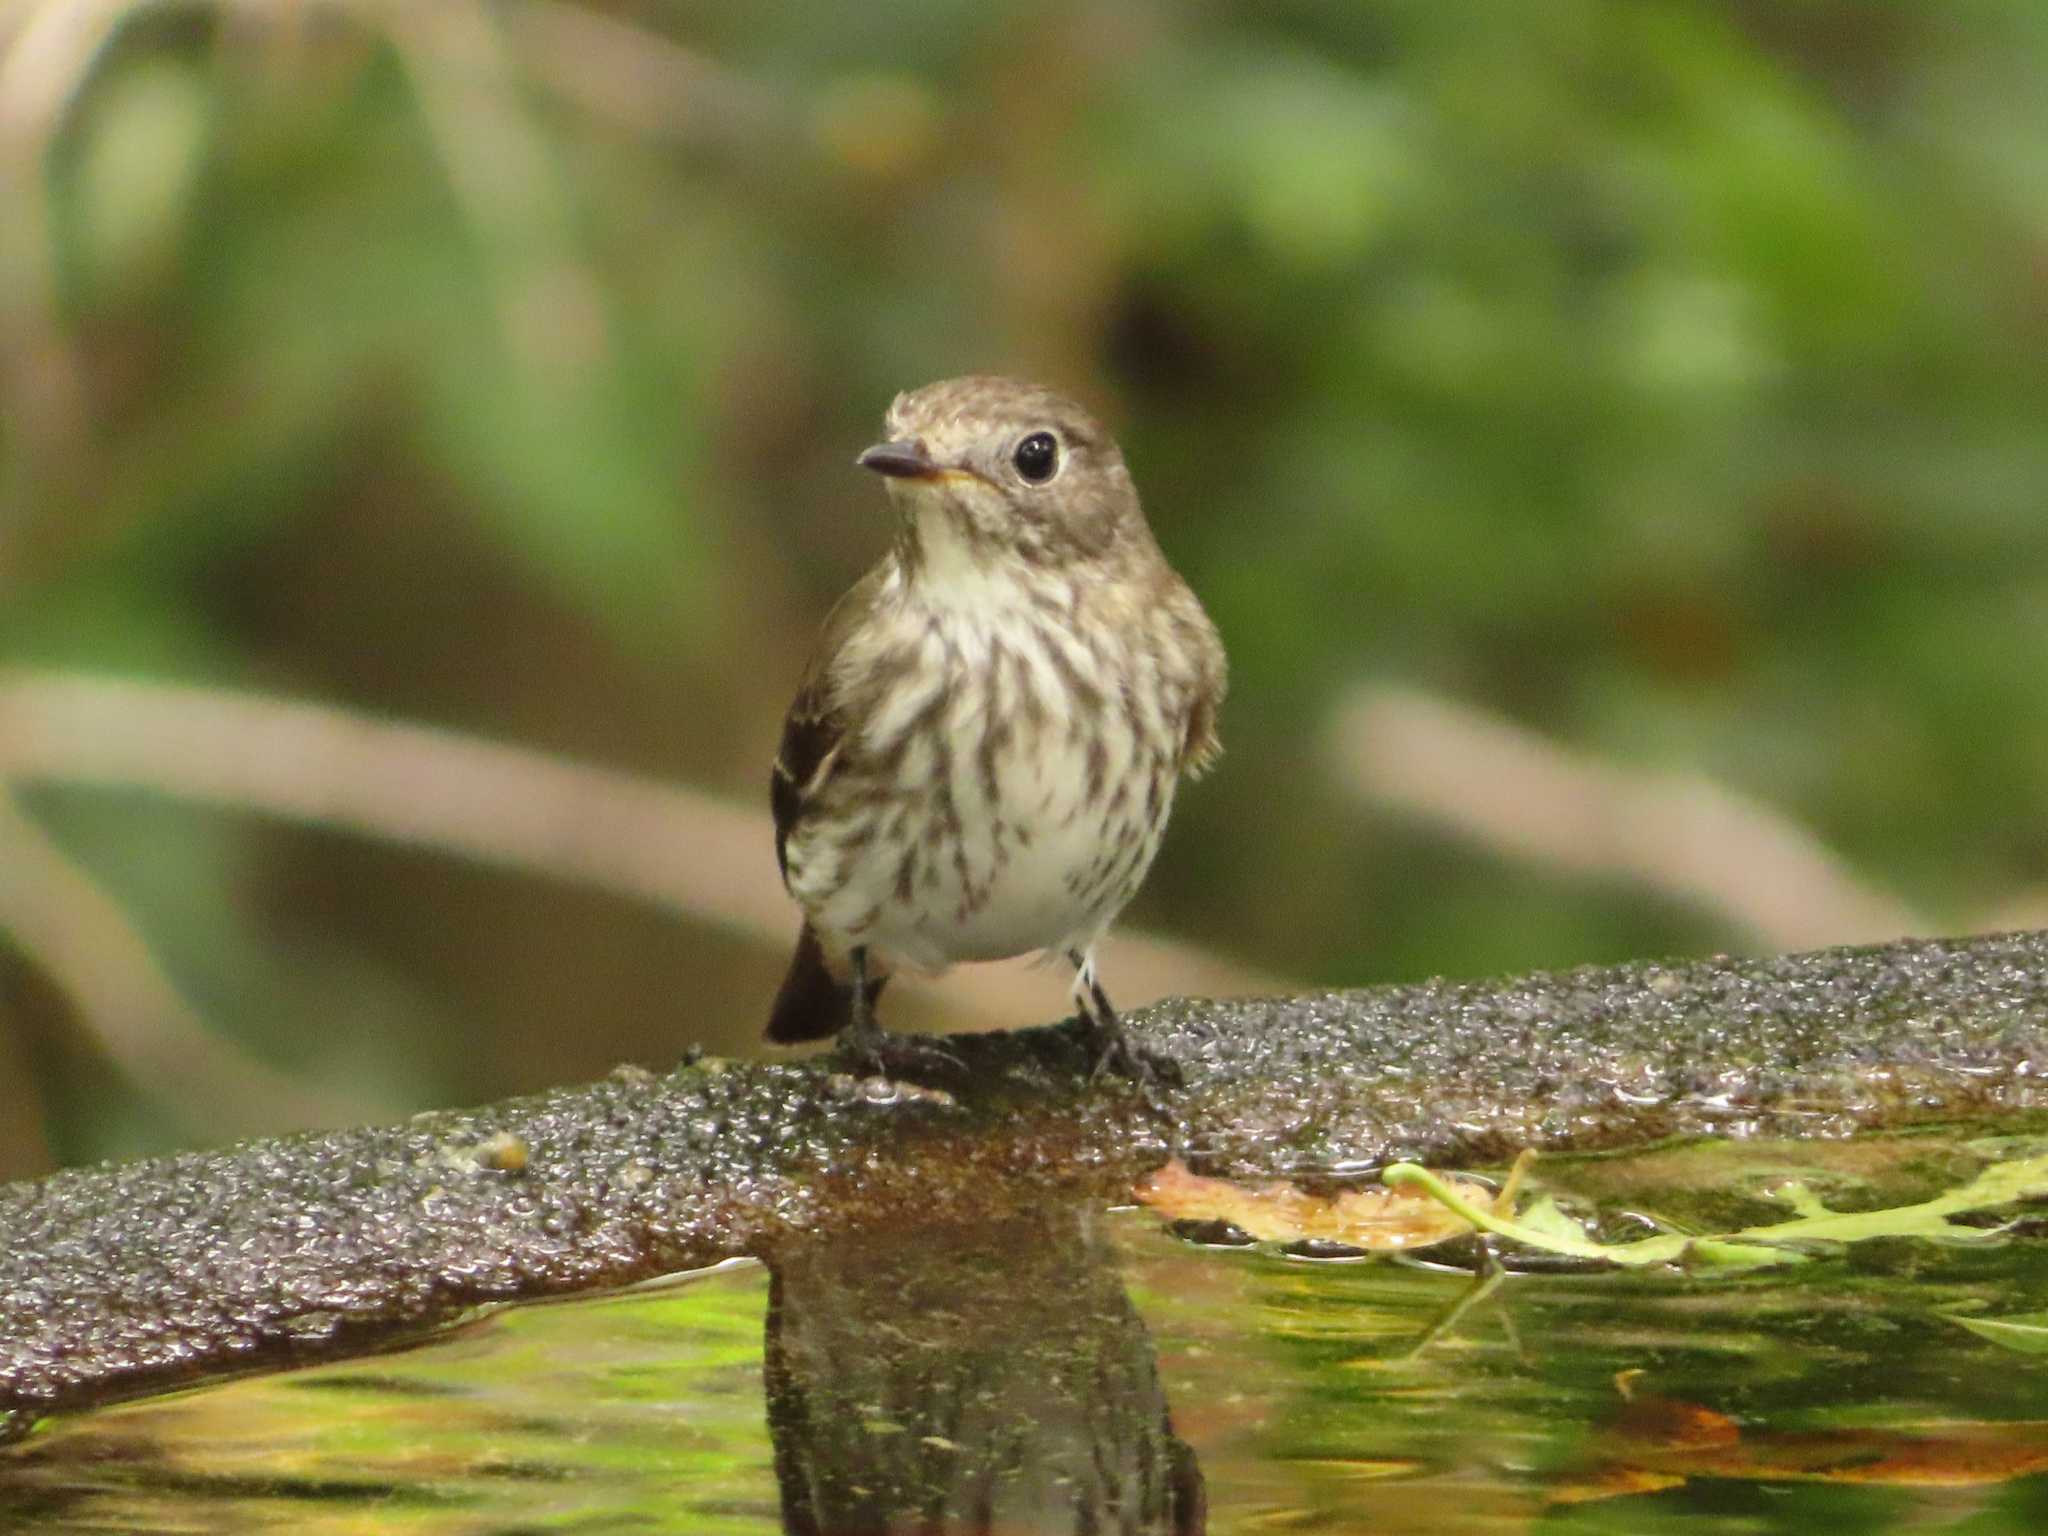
991	1379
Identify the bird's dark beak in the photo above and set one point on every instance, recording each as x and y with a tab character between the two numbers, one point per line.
902	461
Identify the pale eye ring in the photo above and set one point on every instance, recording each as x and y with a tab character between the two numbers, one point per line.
1037	457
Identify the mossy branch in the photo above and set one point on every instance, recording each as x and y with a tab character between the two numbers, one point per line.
131	1278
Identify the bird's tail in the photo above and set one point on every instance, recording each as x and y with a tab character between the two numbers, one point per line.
813	1004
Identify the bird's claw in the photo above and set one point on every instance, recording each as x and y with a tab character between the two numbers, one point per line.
1153	1072
884	1053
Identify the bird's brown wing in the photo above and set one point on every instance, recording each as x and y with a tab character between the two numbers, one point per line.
814	1002
1201	745
815	726
810	735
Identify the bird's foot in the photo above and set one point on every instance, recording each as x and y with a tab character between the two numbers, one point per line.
876	1052
1153	1071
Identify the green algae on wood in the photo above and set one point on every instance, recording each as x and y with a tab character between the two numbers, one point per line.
132	1278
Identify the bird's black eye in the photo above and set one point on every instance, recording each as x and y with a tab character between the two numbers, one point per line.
1037	457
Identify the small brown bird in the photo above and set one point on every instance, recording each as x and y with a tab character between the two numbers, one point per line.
983	752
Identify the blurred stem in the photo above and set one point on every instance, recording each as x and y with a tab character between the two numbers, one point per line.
47	51
500	166
610	67
677	848
1680	834
24	1143
78	933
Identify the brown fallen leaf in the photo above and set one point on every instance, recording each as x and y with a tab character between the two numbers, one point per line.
1373	1217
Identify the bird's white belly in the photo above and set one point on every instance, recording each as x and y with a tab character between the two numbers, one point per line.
1017	890
1032	843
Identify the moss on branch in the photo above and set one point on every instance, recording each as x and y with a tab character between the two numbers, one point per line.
130	1278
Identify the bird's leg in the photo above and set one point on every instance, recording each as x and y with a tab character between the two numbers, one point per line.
874	1048
862	1037
1113	1046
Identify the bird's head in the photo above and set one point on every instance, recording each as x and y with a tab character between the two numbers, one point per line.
985	469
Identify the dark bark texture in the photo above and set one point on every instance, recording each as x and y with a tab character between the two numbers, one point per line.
131	1278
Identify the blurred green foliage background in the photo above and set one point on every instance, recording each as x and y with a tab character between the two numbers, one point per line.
1660	382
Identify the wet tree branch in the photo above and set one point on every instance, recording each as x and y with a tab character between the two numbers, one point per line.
131	1278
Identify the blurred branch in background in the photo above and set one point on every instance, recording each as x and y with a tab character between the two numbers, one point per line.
83	941
1680	834
648	83
692	853
46	51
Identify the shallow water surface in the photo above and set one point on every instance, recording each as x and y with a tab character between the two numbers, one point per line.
1070	1370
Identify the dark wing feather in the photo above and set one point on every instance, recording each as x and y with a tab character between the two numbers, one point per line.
809	733
815	725
1197	638
1202	745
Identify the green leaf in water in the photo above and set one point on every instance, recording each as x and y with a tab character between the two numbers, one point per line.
2023	1332
1541	1225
